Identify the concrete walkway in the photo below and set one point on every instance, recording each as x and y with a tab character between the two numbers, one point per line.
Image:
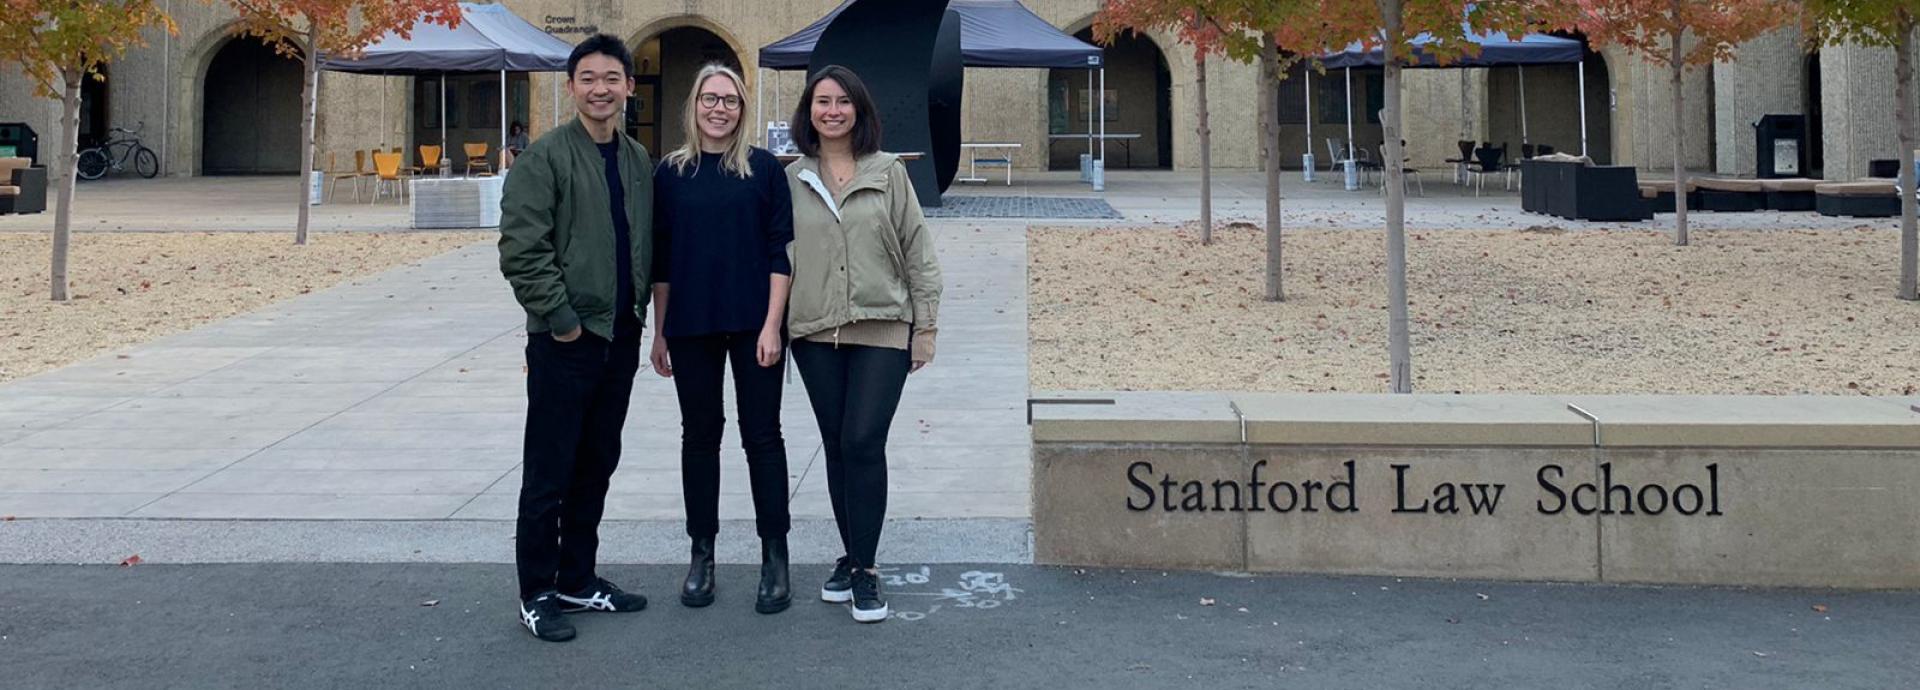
402	397
955	626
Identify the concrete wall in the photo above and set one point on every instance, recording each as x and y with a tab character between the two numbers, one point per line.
1643	132
1859	105
1767	77
1772	491
19	104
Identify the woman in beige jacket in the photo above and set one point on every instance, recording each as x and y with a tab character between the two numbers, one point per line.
866	292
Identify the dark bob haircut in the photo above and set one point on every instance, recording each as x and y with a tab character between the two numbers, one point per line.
865	137
610	46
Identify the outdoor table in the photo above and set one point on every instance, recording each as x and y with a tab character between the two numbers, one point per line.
456	202
973	148
1126	140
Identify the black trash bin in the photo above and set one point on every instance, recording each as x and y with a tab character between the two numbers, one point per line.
1780	146
17	140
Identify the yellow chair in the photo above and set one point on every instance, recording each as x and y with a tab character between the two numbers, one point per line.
335	175
386	168
477	157
429	160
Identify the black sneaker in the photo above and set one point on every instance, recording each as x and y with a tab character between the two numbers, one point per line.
602	596
868	607
839	588
543	618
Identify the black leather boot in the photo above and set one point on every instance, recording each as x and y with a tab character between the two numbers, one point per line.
776	593
697	591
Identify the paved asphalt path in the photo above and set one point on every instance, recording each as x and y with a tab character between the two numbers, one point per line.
350	625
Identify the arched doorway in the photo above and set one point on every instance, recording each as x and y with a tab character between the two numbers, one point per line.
1599	107
94	108
664	65
250	112
1139	100
1553	106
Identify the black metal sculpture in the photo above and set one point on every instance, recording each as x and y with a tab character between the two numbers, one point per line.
908	53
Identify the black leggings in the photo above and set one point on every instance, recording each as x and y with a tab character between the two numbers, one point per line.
855	390
699	370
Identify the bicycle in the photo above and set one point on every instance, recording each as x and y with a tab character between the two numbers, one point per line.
95	161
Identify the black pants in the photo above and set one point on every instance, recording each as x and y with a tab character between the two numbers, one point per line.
855	390
699	376
577	397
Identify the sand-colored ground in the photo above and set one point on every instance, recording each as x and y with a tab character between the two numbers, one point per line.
129	288
1508	311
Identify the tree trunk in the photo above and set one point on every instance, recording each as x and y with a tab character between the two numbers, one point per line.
1903	94
1399	348
67	167
1269	95
1679	142
310	70
1206	153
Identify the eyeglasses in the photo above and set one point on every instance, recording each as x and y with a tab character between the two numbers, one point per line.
709	100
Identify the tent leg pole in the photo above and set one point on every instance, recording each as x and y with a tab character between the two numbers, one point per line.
760	106
1523	105
443	121
1088	173
503	110
1583	106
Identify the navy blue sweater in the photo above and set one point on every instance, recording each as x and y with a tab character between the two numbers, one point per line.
717	238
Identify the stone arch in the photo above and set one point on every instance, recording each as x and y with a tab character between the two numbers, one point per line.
1129	75
190	81
666	78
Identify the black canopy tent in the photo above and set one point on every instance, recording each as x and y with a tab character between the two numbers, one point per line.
489	38
993	33
1497	49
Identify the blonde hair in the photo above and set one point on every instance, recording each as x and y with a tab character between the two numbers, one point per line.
734	159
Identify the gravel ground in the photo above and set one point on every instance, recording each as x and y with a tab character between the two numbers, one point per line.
128	288
1534	311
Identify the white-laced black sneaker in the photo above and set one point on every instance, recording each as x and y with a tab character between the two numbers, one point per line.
839	587
543	618
602	596
868	607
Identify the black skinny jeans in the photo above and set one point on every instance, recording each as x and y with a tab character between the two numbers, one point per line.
855	390
577	395
699	373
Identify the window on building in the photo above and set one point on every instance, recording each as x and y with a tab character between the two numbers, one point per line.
1331	95
483	105
1292	105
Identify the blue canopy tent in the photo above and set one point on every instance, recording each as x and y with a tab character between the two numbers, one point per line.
993	33
1496	49
490	38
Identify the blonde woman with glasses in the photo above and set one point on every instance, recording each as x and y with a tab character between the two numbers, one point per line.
722	220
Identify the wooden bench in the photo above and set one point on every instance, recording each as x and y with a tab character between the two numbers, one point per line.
1869	198
1659	195
1790	194
1730	194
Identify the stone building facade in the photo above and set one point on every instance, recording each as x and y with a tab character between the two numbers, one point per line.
211	103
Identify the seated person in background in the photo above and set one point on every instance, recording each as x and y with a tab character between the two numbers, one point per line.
516	142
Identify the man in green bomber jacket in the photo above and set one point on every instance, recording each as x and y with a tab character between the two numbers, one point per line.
576	244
